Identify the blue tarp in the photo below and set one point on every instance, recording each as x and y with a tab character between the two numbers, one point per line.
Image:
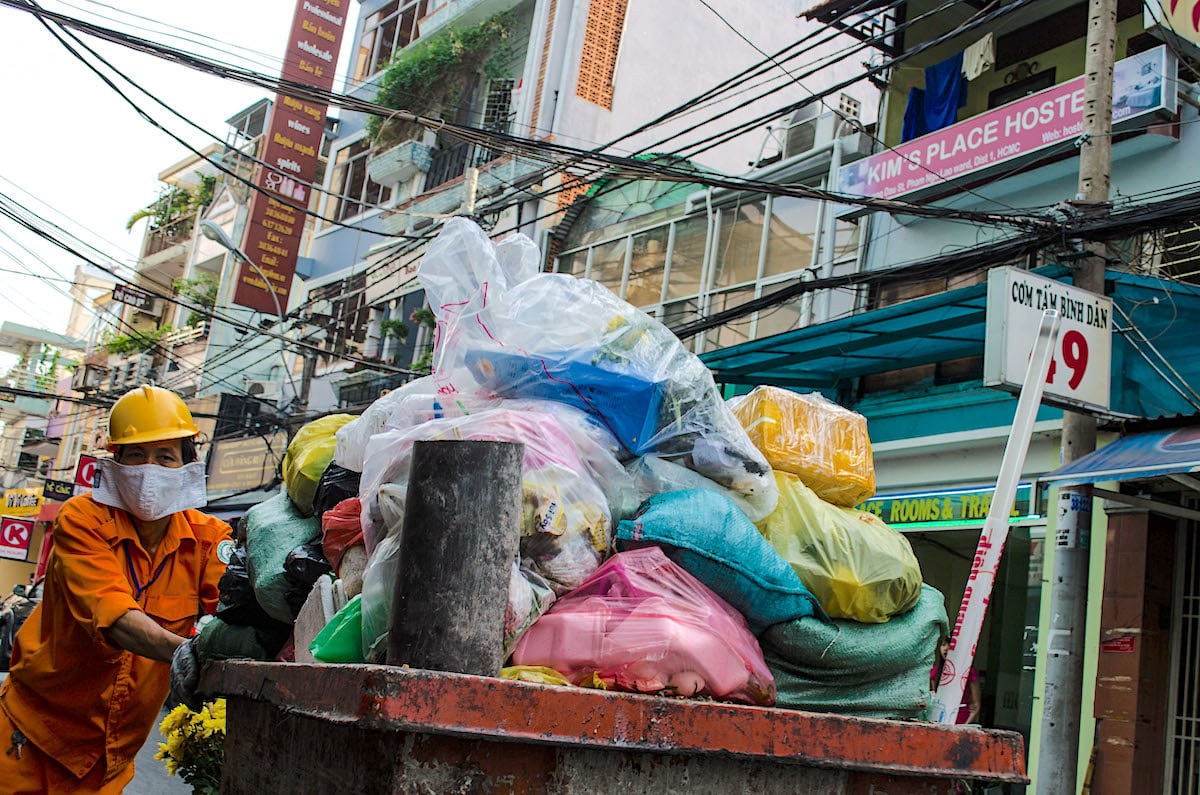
1141	455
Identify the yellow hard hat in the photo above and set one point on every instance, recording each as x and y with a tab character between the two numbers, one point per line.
149	414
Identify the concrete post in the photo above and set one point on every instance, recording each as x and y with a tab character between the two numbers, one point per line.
460	538
1065	642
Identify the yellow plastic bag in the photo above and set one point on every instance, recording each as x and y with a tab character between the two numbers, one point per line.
856	566
538	674
307	456
807	435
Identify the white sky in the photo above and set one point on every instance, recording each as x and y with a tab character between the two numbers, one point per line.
74	152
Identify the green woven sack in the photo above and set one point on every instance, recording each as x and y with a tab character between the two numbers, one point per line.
273	529
865	670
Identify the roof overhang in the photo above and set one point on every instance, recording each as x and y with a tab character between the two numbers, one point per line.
1137	456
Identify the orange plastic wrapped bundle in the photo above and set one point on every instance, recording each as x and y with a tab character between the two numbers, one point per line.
823	444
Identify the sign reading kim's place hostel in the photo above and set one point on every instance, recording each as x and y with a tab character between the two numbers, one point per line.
292	146
1079	370
1143	85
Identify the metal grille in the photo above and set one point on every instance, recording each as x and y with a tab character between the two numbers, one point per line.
1183	737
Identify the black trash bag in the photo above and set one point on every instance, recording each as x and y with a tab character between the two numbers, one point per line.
304	565
336	484
236	604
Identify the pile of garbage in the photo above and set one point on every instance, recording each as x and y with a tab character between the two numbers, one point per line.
671	542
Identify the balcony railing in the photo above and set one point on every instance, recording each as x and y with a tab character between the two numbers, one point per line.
170	234
451	162
185	335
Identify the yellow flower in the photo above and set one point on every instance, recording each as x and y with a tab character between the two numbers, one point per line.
175	718
175	743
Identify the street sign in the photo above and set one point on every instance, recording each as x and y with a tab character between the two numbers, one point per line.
131	296
22	502
58	490
243	464
86	471
15	533
1079	371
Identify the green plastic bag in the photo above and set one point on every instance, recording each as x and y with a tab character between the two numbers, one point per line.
341	639
856	566
307	456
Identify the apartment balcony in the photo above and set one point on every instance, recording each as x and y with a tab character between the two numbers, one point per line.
165	250
445	190
400	163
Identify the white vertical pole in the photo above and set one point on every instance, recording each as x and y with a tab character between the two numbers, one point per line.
978	593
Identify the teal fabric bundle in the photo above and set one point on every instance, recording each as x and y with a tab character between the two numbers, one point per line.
864	670
711	539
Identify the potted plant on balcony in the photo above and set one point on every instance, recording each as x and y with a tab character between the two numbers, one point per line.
427	78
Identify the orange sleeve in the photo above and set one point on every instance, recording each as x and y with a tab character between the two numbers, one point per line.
96	589
218	552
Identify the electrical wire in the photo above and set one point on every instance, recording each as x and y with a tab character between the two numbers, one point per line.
549	151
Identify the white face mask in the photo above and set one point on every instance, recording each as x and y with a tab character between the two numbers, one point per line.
150	491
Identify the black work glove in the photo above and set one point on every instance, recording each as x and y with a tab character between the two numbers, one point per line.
185	677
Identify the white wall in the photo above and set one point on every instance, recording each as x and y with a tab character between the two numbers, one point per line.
672	50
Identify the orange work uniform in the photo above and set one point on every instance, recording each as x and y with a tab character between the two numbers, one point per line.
83	702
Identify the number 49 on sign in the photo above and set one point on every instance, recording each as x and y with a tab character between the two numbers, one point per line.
1079	371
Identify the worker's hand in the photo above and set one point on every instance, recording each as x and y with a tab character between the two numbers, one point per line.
185	677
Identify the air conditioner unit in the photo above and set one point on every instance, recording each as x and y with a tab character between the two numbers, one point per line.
264	390
808	130
88	378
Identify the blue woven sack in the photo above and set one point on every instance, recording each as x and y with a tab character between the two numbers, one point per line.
706	534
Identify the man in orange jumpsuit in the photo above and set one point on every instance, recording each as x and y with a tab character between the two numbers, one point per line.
133	565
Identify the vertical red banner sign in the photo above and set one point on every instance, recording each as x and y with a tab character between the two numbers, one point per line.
293	142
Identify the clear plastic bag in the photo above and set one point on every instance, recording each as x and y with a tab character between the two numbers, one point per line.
856	566
566	522
653	475
641	623
807	435
517	333
352	438
389	457
529	596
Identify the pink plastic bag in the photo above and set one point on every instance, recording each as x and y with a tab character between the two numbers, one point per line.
641	623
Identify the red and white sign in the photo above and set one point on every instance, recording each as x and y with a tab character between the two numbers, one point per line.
1121	644
1080	370
86	471
293	145
1142	84
15	533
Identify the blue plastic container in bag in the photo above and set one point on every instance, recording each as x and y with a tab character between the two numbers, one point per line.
627	406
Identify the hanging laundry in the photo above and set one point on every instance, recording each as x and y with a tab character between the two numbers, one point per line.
980	57
945	92
914	115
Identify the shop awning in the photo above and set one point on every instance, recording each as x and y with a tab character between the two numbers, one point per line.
1141	455
934	328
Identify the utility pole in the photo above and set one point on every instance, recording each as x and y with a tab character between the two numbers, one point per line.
1059	749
